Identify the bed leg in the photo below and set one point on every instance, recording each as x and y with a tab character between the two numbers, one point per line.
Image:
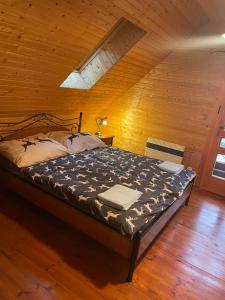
187	200
132	264
133	258
130	275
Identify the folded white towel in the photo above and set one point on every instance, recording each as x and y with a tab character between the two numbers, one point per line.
171	167
120	197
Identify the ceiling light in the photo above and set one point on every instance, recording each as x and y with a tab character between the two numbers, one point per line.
223	35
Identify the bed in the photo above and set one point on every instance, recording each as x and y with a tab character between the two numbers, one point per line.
68	187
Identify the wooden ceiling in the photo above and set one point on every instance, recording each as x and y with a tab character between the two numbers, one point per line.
214	9
41	42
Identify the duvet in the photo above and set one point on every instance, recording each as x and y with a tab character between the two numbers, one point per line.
78	179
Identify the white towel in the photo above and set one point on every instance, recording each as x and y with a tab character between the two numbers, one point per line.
120	197
171	167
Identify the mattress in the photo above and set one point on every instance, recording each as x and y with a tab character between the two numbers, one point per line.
77	179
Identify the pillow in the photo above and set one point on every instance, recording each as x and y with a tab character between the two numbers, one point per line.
76	142
31	150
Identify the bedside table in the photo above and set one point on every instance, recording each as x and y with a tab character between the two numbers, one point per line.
108	140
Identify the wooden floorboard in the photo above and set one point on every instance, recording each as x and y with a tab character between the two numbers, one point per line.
43	258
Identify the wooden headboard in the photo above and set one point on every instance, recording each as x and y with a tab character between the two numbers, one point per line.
42	122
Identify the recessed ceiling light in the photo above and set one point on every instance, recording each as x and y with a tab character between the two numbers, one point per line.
223	35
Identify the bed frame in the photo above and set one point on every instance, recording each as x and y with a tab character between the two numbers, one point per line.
46	122
132	250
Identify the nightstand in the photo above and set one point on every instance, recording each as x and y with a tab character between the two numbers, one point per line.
108	140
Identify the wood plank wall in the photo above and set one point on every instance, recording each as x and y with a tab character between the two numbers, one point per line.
176	101
151	91
41	42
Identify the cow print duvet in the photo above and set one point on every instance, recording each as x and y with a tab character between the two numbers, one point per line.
78	178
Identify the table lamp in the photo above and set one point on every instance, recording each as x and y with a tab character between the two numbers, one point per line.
100	122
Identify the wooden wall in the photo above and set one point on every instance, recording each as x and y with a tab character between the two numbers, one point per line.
176	101
41	42
153	90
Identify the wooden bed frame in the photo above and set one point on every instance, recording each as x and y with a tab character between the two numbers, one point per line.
133	250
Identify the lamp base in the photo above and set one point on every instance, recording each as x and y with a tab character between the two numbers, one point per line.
98	134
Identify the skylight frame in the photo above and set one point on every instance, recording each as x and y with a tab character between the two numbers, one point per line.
106	54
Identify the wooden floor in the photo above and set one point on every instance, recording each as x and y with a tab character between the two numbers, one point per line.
43	258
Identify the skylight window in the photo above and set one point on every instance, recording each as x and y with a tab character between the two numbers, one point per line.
122	37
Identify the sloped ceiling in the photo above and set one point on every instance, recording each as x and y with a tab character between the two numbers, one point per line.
214	9
41	42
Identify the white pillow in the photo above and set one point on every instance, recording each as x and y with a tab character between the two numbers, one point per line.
76	142
31	150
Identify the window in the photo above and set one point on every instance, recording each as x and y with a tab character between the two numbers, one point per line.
122	37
